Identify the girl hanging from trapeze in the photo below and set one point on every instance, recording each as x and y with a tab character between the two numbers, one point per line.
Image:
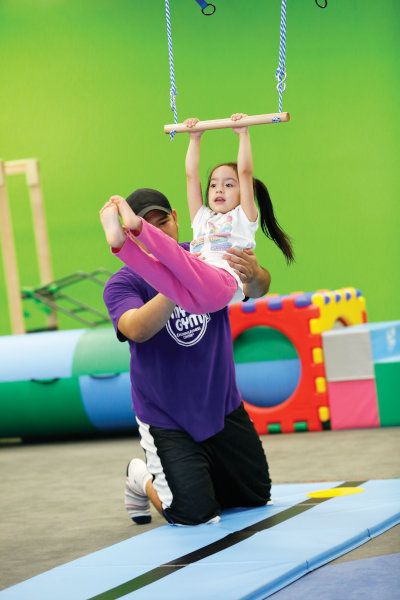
199	281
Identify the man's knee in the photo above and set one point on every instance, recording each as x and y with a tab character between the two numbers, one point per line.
193	511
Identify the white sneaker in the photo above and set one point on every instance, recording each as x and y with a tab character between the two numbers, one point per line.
136	501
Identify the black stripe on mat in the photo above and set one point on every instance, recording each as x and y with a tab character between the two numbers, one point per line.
230	540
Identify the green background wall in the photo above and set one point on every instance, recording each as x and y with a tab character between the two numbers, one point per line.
85	89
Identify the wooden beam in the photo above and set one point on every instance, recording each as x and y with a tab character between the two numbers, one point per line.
30	168
10	259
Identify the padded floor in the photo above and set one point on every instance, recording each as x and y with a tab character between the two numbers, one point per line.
250	554
374	578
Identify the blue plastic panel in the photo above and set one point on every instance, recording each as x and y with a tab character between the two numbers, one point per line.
268	383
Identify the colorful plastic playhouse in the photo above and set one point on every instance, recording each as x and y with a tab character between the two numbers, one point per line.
302	318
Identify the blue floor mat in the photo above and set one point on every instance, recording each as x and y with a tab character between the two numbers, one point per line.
249	554
373	578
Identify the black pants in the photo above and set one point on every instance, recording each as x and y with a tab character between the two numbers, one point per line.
229	469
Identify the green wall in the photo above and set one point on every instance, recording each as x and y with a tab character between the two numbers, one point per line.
85	89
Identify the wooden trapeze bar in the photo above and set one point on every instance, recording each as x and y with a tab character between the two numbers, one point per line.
283	117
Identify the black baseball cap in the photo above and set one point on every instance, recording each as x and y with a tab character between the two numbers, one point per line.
143	200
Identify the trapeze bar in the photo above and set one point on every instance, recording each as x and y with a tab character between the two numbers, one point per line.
228	123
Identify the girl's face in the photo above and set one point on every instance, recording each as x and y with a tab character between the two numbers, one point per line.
224	192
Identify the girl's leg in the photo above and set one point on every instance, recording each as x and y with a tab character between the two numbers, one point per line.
210	289
115	235
192	272
182	277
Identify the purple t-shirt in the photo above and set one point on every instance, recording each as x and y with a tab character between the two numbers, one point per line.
184	376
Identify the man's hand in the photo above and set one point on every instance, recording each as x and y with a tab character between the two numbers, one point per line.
244	262
256	279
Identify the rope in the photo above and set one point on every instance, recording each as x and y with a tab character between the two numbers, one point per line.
280	72
172	91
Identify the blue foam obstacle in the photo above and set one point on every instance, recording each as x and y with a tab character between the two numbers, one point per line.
59	383
385	339
249	554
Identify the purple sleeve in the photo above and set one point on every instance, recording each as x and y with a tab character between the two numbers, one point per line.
121	294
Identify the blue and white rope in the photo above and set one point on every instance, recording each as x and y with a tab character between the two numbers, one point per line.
172	93
280	72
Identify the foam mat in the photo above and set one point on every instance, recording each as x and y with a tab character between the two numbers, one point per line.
249	554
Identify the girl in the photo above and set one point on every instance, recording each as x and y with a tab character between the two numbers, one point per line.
200	281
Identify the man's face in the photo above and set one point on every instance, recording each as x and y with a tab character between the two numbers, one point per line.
168	223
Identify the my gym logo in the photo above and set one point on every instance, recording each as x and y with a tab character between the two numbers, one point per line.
187	329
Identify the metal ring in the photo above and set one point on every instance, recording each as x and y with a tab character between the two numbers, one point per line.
322	6
208	14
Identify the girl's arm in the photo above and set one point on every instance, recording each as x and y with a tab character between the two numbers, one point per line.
245	171
194	195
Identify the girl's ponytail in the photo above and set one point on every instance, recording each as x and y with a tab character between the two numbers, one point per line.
269	224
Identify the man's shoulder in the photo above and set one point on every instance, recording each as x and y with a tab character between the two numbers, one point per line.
122	275
124	281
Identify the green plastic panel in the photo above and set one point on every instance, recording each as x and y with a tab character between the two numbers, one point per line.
301	426
260	344
274	428
98	351
46	408
387	376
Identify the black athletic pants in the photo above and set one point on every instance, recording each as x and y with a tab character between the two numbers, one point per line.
229	469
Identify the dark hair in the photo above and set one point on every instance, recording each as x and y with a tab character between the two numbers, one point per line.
269	224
